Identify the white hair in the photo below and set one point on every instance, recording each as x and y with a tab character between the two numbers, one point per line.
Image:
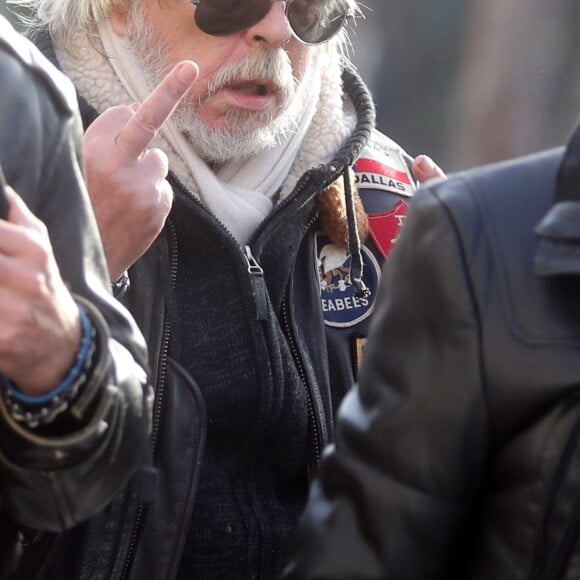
64	18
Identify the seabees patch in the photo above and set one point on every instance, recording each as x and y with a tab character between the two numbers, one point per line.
340	306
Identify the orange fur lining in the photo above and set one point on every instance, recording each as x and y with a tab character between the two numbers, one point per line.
332	213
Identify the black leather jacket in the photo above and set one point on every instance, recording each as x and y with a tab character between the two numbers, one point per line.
52	482
458	455
246	375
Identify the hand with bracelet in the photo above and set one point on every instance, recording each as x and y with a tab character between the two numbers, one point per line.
40	334
75	399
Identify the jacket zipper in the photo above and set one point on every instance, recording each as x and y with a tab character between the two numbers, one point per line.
253	267
257	278
258	284
287	326
260	291
260	295
259	287
302	373
255	271
159	396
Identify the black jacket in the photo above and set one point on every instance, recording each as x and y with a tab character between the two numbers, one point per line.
458	455
246	375
52	481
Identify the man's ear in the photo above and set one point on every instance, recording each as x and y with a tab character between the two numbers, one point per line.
119	15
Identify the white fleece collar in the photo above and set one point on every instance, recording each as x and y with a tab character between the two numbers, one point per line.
247	191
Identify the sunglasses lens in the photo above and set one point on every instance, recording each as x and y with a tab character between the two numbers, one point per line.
316	21
313	21
223	17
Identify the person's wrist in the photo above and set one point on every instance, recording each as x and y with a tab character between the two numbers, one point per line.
42	409
40	366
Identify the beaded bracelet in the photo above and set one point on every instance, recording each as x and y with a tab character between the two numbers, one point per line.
34	411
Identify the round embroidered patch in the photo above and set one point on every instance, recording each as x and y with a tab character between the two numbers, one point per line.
340	306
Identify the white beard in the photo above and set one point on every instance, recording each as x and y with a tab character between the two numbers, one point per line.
245	133
105	75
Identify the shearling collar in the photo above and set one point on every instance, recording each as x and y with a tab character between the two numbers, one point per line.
89	69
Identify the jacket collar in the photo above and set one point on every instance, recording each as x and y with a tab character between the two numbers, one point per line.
558	252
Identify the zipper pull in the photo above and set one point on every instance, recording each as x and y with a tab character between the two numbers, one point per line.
258	284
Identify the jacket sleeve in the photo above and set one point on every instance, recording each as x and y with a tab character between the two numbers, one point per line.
51	480
393	495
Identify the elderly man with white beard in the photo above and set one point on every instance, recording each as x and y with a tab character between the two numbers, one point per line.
253	338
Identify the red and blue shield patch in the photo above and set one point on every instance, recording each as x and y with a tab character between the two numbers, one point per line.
385	227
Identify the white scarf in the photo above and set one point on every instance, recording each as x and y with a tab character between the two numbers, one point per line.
240	194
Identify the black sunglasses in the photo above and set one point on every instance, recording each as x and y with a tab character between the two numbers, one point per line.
311	21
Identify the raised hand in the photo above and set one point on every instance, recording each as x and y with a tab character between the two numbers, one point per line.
39	320
127	181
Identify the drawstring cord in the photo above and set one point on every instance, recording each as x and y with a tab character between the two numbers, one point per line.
354	243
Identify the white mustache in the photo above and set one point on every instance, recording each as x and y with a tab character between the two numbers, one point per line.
273	66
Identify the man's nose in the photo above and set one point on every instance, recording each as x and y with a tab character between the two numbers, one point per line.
273	29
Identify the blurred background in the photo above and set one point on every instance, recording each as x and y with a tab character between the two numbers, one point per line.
471	81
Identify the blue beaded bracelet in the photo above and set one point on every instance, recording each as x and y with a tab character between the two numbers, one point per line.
43	409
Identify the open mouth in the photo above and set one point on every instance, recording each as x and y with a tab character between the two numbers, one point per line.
258	88
252	95
252	89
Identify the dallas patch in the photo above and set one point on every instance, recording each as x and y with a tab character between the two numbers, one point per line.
385	227
340	306
384	170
